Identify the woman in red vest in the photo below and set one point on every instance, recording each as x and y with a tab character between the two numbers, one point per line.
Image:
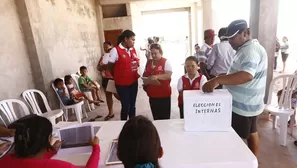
106	76
192	80
159	69
124	65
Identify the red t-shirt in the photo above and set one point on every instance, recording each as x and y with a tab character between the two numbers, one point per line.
10	161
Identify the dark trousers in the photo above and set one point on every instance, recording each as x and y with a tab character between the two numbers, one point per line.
128	96
275	63
161	108
181	111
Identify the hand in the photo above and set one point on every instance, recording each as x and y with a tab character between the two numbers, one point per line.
210	85
57	145
153	77
4	147
11	132
94	141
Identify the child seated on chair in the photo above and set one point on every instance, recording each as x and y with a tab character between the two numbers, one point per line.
192	80
63	94
74	93
86	84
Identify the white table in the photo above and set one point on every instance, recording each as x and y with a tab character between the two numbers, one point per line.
181	149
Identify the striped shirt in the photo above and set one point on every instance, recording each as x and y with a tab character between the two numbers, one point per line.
204	52
248	98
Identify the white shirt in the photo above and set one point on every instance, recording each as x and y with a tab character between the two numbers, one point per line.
204	52
114	53
105	58
180	81
220	58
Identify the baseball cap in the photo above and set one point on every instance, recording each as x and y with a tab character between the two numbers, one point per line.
235	27
209	33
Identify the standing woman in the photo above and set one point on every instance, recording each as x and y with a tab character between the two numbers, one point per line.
159	69
285	51
106	76
124	64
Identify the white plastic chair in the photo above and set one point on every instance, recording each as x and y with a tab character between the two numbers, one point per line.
30	98
76	108
284	108
7	108
88	94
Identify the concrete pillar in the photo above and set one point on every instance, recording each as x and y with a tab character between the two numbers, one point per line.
193	20
39	58
263	26
99	16
207	14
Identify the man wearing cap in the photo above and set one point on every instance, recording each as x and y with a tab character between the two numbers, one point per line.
219	60
205	50
245	80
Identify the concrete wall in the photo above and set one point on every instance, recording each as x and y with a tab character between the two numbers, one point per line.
117	23
15	70
59	37
67	33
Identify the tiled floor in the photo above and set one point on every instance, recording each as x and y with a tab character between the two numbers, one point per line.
272	155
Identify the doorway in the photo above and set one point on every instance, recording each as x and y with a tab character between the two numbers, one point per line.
172	27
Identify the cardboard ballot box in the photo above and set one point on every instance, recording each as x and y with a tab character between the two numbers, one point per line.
207	111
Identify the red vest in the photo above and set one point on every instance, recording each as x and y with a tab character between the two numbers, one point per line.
160	91
105	73
187	86
125	68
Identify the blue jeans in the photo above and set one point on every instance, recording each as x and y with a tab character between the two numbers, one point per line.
128	96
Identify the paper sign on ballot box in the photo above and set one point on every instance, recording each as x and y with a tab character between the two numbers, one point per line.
207	111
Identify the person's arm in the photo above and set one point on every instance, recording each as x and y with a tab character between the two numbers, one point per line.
204	70
63	92
112	59
203	80
180	87
5	132
212	57
237	78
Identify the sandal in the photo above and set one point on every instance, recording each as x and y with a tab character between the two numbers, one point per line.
94	119
295	143
97	104
108	117
101	101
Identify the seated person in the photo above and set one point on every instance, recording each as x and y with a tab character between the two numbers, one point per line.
141	131
33	147
192	80
86	84
5	132
74	93
61	90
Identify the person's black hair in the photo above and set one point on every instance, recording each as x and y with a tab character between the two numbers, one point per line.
57	81
157	39
222	32
31	136
150	41
67	78
125	34
108	43
139	143
157	47
82	68
192	58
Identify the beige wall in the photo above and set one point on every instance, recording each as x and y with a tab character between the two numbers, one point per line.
59	35
67	33
117	23
15	71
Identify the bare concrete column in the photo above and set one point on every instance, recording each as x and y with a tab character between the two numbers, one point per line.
263	25
39	59
207	14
